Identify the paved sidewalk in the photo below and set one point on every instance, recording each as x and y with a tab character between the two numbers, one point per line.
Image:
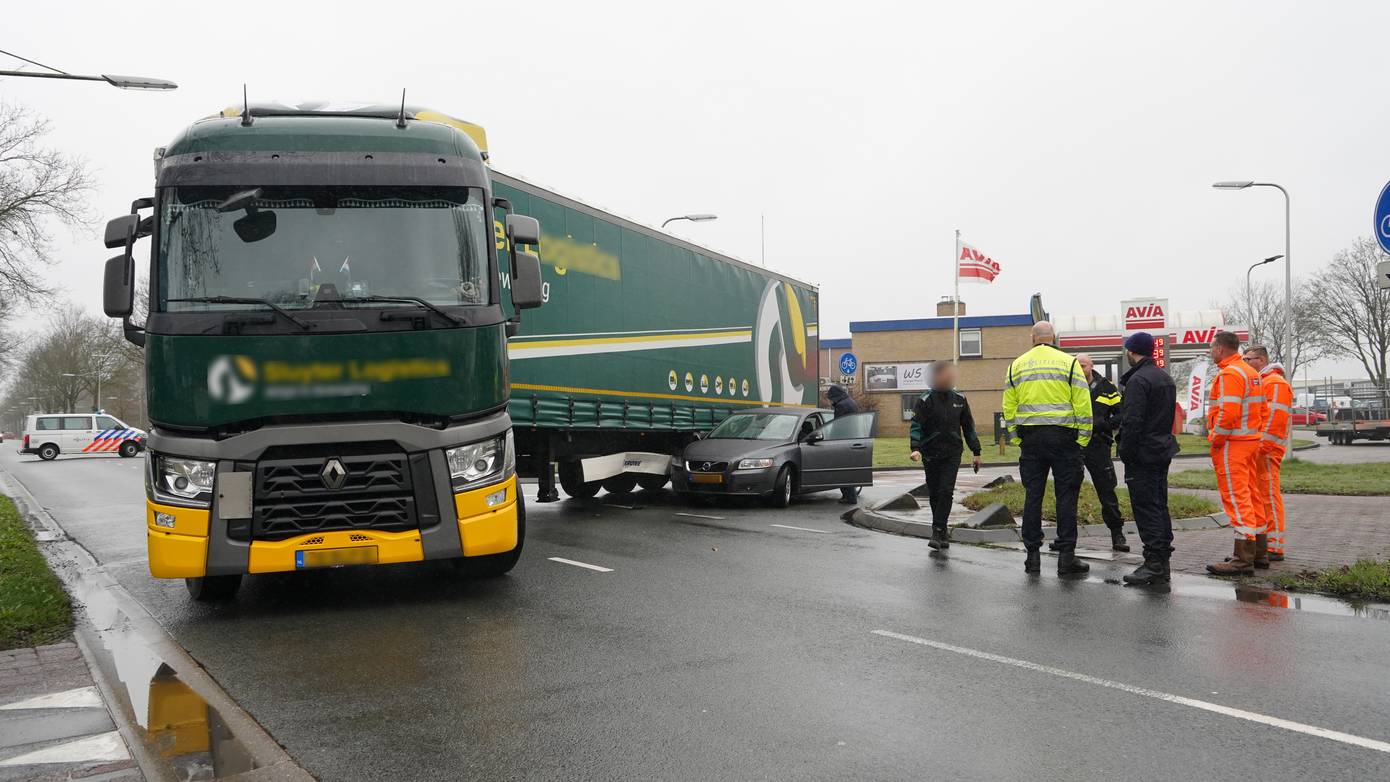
53	722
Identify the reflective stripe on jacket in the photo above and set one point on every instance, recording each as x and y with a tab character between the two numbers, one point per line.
1279	396
1046	387
1236	407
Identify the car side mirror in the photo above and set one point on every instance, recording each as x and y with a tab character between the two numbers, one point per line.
528	289
121	230
814	437
118	287
523	230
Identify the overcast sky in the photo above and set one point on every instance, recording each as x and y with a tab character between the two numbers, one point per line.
1075	142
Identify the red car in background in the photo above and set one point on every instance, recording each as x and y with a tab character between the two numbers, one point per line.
1308	417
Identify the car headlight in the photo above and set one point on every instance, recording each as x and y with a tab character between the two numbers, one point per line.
754	464
182	481
482	462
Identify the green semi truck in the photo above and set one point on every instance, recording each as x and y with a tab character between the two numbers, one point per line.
359	335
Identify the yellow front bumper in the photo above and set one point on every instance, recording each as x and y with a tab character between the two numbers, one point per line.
181	551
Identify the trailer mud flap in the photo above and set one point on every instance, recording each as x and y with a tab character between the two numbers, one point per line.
598	468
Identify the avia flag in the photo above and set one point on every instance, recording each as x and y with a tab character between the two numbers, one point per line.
1195	404
975	266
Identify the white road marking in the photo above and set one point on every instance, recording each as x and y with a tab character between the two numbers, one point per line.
1263	719
80	698
803	529
564	561
700	516
103	747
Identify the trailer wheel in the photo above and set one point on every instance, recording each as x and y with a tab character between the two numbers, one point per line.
212	589
573	486
652	482
620	484
495	565
48	452
129	449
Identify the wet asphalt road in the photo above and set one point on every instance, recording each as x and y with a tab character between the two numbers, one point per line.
730	648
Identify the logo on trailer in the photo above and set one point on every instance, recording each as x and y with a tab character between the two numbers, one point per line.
719	385
704	384
780	350
744	387
231	379
334	474
671	380
689	382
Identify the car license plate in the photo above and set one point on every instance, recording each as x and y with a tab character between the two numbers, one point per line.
706	478
335	557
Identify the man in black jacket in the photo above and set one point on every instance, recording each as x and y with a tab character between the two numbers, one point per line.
1105	420
941	421
841	403
1147	447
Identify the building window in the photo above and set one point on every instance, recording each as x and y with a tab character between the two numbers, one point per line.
971	344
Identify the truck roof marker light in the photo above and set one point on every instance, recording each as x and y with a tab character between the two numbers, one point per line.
400	119
245	108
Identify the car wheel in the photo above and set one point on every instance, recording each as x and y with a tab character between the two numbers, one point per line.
620	484
48	452
782	488
652	482
573	486
212	589
129	449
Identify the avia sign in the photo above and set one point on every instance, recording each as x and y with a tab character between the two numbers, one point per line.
1144	314
1197	336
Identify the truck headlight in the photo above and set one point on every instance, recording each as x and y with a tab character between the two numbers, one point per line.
754	464
181	481
480	463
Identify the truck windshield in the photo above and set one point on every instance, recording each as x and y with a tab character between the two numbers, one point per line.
299	247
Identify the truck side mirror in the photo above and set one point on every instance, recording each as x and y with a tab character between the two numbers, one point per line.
118	288
528	290
121	230
523	230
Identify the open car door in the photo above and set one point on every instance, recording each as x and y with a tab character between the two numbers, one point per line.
841	453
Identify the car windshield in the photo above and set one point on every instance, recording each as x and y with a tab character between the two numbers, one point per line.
755	426
299	246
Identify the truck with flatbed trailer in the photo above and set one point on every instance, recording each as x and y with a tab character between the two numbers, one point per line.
1349	424
360	335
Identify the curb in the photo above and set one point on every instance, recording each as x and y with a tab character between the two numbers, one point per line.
107	609
895	524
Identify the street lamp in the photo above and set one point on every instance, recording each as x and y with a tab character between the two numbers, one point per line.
1288	260
124	82
96	375
1253	266
698	218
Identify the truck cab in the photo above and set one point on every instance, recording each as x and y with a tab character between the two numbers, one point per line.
326	344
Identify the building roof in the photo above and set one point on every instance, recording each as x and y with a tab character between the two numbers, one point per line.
836	344
926	324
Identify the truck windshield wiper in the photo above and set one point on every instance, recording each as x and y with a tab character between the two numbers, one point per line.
454	319
281	311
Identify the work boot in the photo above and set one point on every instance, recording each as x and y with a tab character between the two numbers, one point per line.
1261	552
1033	564
1153	571
1069	565
1241	563
1052	546
1117	540
940	539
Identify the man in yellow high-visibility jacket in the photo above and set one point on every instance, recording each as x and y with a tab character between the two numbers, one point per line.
1047	408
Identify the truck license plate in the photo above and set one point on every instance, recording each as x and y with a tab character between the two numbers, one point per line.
335	557
703	478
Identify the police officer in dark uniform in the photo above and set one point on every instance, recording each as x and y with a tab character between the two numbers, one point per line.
1105	418
941	421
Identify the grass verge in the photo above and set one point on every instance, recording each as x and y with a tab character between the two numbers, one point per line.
1365	580
1181	506
34	609
1300	477
893	451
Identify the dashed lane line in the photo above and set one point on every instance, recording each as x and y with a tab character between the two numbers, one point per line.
700	516
564	561
803	529
1216	708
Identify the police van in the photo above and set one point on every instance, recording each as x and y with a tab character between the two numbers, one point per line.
49	434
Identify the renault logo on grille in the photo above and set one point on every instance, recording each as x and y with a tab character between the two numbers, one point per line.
334	474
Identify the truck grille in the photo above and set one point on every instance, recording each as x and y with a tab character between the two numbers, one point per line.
293	496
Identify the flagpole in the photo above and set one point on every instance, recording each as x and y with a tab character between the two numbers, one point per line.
955	304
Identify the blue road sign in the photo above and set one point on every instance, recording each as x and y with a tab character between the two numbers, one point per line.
848	363
1382	230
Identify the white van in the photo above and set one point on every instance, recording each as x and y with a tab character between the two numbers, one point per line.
49	434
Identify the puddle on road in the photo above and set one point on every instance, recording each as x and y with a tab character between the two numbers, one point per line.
191	735
1269	598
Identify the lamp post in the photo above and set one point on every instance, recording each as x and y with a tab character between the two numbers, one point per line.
1288	260
695	218
123	82
1253	266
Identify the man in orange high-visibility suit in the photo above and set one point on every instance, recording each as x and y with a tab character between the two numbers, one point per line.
1274	439
1236	411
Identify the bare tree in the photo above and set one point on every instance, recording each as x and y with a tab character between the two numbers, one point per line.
1355	312
38	186
1262	310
